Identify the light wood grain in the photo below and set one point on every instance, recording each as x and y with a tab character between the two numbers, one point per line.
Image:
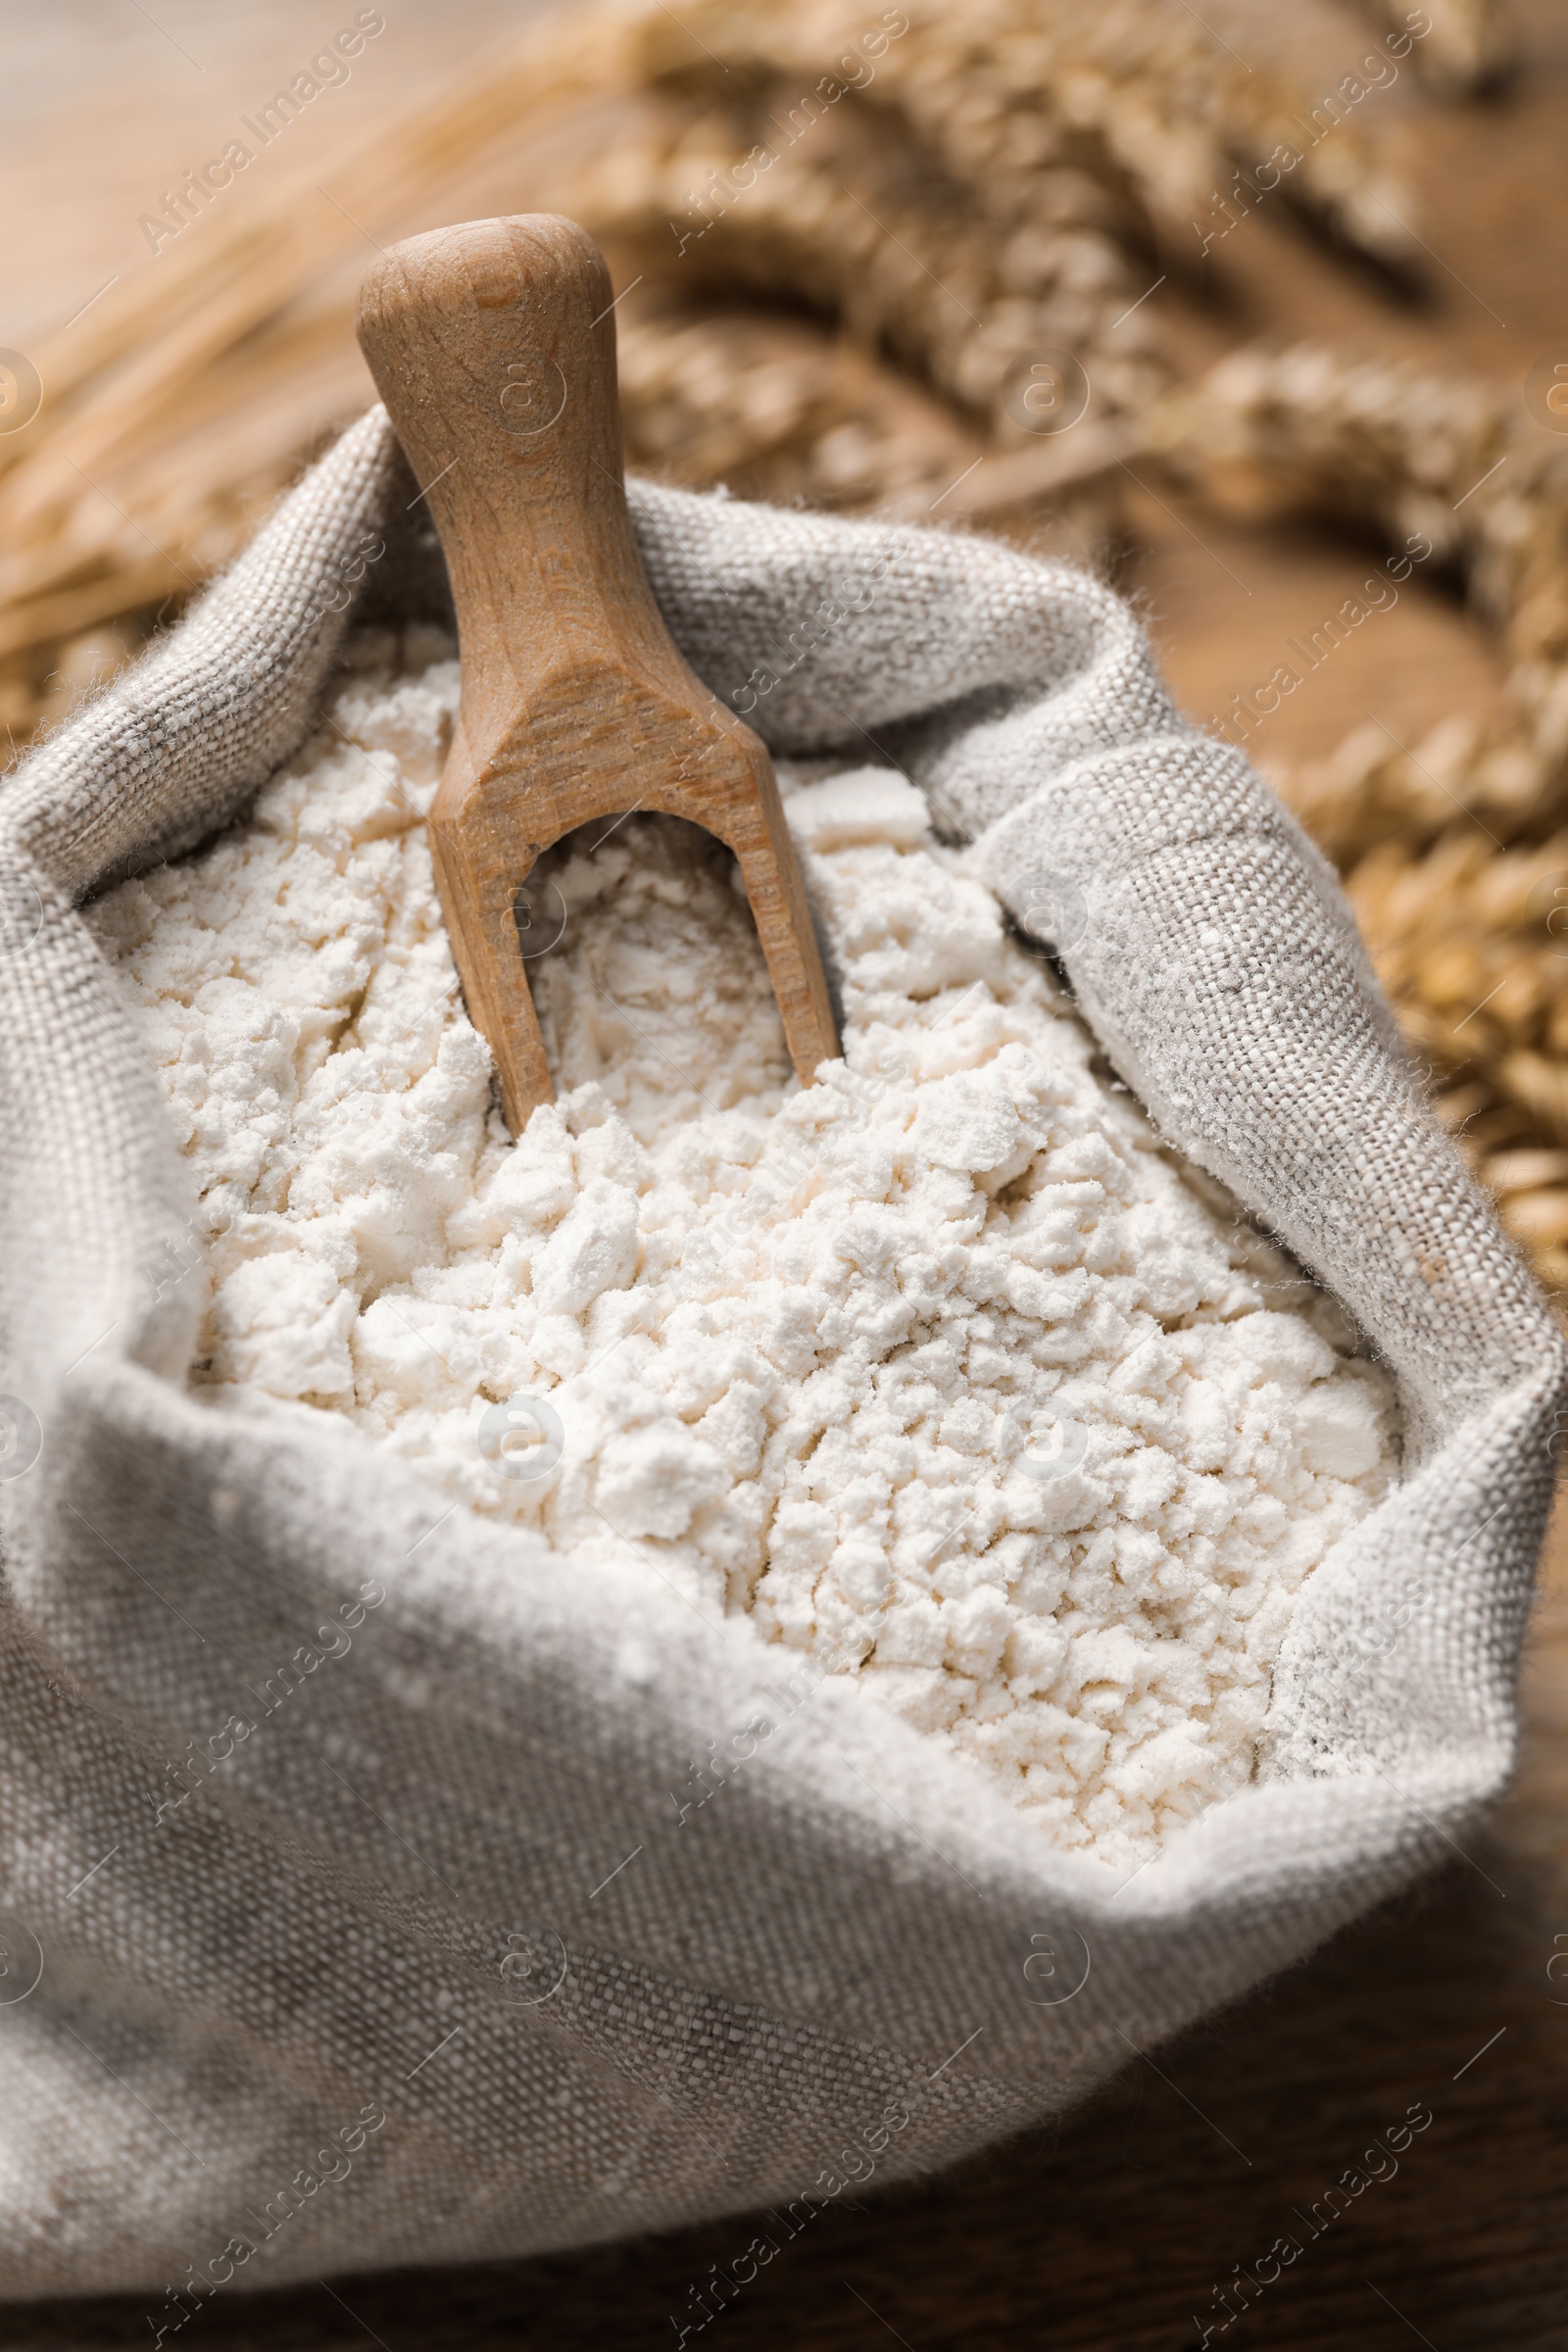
493	345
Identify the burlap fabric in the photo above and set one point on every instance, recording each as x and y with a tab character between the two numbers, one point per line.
428	1966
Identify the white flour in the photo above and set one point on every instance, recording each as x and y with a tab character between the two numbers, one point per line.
941	1365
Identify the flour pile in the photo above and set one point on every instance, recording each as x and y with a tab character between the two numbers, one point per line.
941	1369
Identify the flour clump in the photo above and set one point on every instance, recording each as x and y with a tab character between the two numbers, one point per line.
941	1369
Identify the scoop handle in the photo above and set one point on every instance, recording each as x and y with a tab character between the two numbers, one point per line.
493	347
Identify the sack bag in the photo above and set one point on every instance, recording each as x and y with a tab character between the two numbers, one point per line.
332	2015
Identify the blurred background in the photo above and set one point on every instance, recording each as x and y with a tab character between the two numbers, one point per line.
1261	313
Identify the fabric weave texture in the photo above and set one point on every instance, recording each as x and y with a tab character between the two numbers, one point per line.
445	1882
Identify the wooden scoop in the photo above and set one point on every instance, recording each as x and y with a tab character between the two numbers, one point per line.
493	345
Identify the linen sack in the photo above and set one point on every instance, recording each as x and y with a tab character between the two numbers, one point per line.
378	1990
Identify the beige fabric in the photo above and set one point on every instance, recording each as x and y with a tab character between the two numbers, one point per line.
444	1883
